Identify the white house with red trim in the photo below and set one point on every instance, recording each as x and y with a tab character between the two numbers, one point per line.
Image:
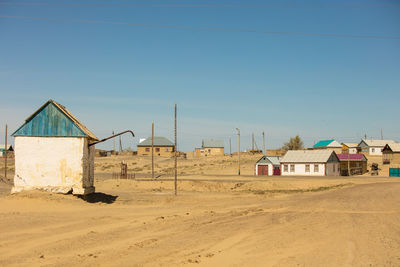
310	163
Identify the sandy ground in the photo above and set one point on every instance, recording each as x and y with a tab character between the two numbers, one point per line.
276	222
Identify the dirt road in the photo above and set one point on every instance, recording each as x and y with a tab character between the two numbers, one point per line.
351	226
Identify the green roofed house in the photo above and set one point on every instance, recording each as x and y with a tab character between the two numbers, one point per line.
162	147
328	144
54	152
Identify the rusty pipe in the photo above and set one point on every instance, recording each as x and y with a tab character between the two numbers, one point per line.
112	136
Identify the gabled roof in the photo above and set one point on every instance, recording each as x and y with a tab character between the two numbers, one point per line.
327	143
53	119
377	143
351	157
350	145
158	141
274	160
212	143
308	156
395	147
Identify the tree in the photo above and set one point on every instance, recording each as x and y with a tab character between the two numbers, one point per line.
295	143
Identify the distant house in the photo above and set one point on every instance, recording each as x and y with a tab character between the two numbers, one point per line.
162	147
3	149
210	147
311	163
356	162
268	165
391	153
349	148
54	151
328	144
373	147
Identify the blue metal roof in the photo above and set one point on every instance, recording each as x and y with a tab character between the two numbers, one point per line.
323	143
50	121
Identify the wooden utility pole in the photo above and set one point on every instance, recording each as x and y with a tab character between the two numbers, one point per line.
230	146
252	142
238	151
120	144
113	143
176	160
348	163
5	156
264	151
152	150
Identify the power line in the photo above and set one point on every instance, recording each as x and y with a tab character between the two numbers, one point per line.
180	27
198	5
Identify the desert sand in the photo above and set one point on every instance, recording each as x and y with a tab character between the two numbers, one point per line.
217	219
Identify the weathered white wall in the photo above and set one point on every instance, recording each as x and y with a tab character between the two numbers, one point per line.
375	151
56	164
300	169
353	150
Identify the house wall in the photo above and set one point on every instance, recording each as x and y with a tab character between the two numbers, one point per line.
300	169
164	151
270	168
56	164
209	151
377	151
333	169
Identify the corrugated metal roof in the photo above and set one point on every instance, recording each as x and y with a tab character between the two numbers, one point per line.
53	119
378	143
212	143
350	145
351	157
327	143
274	160
158	141
303	156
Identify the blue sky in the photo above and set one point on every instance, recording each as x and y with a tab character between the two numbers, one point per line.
125	76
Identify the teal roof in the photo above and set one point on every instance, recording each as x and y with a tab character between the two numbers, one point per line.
323	143
53	120
158	141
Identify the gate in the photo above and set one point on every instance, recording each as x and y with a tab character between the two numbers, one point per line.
394	172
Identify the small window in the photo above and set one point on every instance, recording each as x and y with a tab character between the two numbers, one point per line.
307	167
157	149
373	150
167	150
291	168
147	149
285	168
316	168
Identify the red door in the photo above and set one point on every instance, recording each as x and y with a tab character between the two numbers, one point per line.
262	170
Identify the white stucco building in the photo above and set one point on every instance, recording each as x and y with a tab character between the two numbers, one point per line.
268	165
53	152
373	147
310	163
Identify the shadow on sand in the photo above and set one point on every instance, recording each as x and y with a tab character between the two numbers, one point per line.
99	197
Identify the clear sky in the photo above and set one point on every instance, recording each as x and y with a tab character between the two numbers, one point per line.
249	64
